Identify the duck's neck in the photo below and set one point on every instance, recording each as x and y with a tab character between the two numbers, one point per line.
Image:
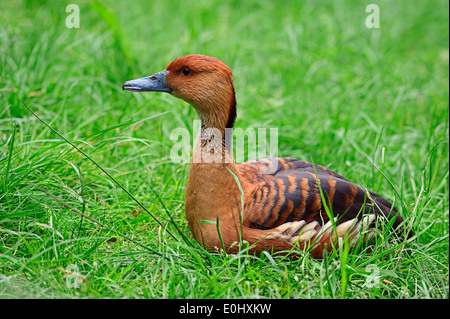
212	191
213	145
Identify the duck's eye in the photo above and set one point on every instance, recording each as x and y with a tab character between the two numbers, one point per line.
185	71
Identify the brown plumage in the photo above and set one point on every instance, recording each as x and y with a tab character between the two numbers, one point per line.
282	203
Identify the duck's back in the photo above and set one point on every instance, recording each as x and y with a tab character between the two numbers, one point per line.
287	190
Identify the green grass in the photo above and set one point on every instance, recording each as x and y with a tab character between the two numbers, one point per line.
340	94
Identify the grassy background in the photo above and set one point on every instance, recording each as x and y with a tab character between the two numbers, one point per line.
338	92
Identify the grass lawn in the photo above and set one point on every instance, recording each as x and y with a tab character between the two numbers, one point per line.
106	220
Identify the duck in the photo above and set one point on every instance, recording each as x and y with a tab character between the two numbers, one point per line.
274	205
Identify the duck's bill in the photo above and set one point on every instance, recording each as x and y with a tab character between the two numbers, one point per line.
152	83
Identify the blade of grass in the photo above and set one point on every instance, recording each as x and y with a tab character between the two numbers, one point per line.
241	215
390	183
186	240
94	220
10	151
324	203
102	169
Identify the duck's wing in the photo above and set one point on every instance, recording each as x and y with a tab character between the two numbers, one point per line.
288	190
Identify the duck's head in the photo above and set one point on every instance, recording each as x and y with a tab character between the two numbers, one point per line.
204	82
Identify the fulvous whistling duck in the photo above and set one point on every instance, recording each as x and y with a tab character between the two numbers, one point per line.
285	202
